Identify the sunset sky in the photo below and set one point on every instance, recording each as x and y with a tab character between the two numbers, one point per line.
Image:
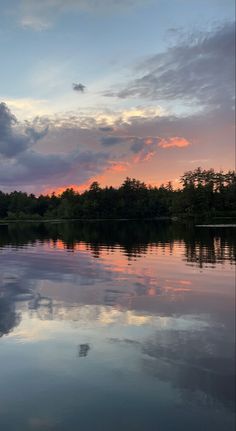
104	89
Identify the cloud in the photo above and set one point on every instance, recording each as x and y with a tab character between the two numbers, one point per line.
199	70
118	166
21	164
138	145
108	141
40	15
146	147
50	169
22	160
103	120
174	142
80	88
106	129
13	139
35	23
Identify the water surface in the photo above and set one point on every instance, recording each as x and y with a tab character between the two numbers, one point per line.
116	326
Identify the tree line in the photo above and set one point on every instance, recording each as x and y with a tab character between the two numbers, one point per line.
202	193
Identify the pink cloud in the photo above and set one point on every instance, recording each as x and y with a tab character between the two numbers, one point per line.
174	142
147	151
118	166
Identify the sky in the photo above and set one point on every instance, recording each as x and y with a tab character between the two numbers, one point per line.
98	90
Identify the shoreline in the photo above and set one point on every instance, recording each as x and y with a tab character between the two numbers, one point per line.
170	219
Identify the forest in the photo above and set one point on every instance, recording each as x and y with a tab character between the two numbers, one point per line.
202	193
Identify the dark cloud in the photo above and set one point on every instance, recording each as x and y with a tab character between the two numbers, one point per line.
106	129
108	141
136	143
34	134
199	70
137	146
80	88
13	139
140	148
50	169
20	164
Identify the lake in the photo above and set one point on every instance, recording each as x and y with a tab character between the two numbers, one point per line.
117	326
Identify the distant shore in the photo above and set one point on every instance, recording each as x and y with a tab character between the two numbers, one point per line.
59	220
208	220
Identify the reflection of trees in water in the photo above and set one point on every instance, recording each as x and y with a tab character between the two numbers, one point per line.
202	245
211	248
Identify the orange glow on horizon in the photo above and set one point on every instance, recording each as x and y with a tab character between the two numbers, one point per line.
80	188
117	167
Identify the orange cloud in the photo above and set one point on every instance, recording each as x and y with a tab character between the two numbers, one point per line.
143	156
175	141
149	141
147	152
118	166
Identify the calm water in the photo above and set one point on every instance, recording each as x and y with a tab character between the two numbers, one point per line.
116	326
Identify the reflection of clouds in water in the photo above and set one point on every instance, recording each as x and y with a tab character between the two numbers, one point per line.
114	317
34	330
40	265
45	324
187	352
195	362
41	269
8	316
42	423
197	385
78	278
87	315
137	312
13	287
